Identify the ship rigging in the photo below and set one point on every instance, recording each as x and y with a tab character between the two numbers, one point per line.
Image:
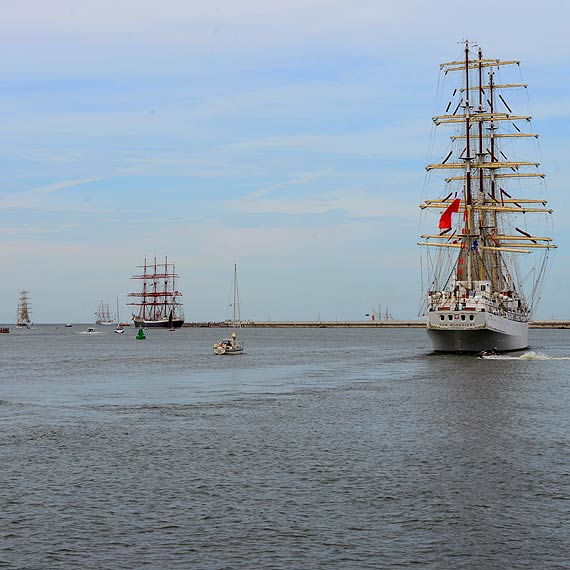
159	300
477	296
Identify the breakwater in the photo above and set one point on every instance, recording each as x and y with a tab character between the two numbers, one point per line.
386	324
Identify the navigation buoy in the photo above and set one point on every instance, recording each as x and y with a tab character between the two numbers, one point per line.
140	335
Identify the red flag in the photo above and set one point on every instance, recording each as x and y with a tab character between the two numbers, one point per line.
445	220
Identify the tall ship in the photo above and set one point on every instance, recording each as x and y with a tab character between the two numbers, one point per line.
159	300
484	240
103	315
24	311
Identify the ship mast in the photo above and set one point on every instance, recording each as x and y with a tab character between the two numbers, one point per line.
488	227
158	297
468	196
24	308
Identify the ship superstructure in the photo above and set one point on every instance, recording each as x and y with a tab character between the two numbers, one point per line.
485	243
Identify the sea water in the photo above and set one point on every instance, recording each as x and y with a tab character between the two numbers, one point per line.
317	448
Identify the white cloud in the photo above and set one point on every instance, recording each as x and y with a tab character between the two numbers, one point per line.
34	198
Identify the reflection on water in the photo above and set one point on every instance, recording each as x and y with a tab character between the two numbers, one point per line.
318	448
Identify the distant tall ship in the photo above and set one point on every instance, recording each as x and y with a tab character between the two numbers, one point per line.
24	311
159	300
486	260
103	315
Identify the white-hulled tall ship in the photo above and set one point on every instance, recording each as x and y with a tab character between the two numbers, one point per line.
484	238
159	300
24	311
103	315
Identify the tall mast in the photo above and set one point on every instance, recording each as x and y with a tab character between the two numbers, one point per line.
487	240
481	159
143	312
165	289
235	296
154	292
496	273
480	123
157	298
468	197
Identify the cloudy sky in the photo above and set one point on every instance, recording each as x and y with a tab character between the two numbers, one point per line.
290	137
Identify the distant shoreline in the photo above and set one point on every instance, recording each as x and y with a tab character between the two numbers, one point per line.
387	324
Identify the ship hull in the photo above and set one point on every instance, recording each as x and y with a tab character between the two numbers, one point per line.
486	332
159	324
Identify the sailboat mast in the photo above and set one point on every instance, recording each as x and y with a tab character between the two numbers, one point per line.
235	300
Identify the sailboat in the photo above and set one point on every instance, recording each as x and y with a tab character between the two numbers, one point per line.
103	315
232	345
24	311
158	301
485	245
119	328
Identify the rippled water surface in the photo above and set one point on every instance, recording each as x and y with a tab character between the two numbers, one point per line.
324	448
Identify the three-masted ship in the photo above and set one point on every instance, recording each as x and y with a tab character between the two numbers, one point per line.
158	300
485	245
103	315
24	311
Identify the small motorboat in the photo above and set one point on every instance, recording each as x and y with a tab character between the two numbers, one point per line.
90	329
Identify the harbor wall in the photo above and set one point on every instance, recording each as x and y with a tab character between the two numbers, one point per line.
387	324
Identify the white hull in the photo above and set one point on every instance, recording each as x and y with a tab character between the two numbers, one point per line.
475	332
225	352
220	349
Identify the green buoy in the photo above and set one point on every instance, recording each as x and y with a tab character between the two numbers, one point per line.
140	335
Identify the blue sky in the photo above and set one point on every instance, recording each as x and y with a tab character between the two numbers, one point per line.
290	138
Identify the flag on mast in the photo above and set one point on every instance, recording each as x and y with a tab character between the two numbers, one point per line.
445	220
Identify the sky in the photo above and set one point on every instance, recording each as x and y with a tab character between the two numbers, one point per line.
289	137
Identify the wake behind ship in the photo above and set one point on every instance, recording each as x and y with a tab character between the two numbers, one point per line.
486	263
159	300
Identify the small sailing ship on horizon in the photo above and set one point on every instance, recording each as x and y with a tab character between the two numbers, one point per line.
24	311
232	345
486	261
103	315
158	300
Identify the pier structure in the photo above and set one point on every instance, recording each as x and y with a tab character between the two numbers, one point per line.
385	324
